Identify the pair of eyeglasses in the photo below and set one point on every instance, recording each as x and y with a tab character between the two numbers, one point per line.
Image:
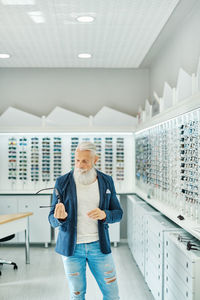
191	179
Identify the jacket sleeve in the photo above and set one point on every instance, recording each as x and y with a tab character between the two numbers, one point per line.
115	212
52	220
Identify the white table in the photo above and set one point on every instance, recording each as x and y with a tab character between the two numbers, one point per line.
13	223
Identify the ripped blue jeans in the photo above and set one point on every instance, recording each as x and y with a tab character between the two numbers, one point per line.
101	265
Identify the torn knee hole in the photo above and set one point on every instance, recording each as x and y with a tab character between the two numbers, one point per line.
109	280
74	274
76	293
108	272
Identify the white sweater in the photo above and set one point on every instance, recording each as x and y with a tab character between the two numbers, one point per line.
87	199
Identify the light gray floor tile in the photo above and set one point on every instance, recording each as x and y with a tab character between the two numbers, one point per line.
44	278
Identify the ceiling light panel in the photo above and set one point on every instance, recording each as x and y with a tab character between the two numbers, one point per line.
120	37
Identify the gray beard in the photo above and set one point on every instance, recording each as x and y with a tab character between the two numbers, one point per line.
85	177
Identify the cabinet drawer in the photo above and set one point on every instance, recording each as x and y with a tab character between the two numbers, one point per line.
154	255
153	263
40	231
154	282
153	245
178	287
176	257
168	294
180	273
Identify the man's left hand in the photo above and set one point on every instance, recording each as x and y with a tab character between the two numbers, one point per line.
97	214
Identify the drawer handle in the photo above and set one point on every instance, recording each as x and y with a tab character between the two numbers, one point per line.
26	205
186	294
187	265
186	279
167	278
166	243
167	290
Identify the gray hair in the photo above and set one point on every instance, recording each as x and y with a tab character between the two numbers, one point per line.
87	146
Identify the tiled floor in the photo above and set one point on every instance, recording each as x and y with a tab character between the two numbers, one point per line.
44	278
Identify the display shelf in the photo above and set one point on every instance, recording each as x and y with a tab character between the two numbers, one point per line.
190	226
50	155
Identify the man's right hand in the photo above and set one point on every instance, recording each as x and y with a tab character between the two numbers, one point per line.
60	212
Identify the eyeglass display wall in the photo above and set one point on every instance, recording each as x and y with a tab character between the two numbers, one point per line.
31	162
167	163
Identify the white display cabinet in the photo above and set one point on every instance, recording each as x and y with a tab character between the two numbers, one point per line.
130	219
137	231
156	225
181	267
40	230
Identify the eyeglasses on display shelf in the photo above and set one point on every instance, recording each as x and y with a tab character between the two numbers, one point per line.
35	159
190	242
57	157
98	144
46	159
167	158
74	144
164	159
189	157
85	139
12	159
120	159
23	159
108	155
142	158
174	166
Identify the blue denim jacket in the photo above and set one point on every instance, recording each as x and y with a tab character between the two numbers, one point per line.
66	187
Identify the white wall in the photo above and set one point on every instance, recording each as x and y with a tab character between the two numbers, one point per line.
83	91
180	49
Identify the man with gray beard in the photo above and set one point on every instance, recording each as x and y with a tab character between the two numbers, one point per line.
88	204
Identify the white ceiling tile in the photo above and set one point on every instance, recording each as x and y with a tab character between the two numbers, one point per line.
120	37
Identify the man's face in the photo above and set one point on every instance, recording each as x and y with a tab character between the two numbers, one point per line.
84	159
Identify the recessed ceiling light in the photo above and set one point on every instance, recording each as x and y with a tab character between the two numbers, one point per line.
85	19
18	2
4	55
37	16
84	55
